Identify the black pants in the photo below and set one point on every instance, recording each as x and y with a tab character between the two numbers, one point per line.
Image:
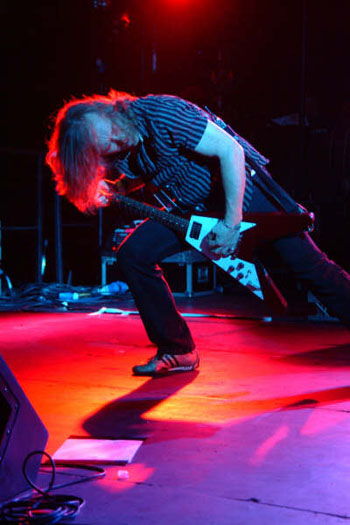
151	242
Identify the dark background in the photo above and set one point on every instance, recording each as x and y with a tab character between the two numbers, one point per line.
242	58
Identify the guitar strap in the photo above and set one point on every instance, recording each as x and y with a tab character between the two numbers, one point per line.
260	177
263	180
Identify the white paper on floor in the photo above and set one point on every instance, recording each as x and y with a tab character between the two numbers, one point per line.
118	451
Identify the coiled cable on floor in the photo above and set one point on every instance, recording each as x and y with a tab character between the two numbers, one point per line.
41	509
46	508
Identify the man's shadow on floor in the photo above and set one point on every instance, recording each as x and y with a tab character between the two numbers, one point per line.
123	418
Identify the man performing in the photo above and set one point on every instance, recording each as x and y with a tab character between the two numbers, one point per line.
179	147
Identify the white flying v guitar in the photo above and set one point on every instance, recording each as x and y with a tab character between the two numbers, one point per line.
243	265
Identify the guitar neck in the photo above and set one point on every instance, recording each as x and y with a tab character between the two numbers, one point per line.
145	211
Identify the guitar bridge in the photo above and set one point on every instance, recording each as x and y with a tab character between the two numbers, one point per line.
195	230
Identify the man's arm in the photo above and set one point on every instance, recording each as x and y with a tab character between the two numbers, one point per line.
215	142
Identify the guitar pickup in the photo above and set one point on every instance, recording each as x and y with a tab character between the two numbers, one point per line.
195	230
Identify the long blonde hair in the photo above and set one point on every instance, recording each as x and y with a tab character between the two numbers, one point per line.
73	154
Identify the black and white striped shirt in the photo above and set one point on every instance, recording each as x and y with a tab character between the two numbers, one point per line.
171	128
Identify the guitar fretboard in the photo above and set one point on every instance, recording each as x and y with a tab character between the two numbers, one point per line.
145	211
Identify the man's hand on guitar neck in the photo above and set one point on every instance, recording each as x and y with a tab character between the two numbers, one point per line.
107	187
222	240
103	194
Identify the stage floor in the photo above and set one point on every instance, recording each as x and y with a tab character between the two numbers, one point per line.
260	434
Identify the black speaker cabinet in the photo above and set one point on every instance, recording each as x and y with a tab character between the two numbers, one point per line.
21	432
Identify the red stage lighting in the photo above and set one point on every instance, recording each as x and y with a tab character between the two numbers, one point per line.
125	20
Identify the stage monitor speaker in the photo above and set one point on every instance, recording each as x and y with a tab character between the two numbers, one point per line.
21	432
